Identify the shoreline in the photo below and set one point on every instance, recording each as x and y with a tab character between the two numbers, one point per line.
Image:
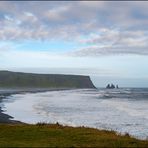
6	118
5	92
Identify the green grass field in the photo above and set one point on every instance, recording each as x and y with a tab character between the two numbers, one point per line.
54	135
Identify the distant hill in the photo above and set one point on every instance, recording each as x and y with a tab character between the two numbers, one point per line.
18	79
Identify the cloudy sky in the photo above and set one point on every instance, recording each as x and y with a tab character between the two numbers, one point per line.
104	39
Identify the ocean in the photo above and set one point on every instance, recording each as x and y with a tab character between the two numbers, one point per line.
123	110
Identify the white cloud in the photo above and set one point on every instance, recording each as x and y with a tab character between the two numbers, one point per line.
55	14
118	27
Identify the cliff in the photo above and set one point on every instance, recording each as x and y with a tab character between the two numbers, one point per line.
18	79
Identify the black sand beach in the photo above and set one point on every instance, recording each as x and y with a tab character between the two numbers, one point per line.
4	118
5	92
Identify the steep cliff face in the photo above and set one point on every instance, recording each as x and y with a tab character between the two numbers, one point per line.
17	79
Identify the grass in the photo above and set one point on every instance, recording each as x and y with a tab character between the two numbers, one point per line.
55	135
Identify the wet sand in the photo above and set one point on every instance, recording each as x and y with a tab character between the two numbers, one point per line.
4	118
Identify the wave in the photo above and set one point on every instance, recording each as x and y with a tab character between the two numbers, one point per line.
104	109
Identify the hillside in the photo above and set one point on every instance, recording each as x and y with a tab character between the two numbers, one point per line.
18	79
55	135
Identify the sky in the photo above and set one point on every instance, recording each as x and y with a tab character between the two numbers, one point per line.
107	40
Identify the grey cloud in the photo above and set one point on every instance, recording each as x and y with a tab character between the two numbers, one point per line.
97	51
85	15
114	25
117	41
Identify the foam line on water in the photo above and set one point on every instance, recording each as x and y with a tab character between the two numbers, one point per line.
85	107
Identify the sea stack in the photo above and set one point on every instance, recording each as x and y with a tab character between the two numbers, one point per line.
111	86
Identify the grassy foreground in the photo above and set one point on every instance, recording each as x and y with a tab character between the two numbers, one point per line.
54	135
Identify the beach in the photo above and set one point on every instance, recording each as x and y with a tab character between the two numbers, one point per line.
65	118
121	110
5	92
4	118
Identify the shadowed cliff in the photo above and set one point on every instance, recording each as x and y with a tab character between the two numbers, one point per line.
18	79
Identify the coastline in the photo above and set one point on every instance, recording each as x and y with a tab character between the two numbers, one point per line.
5	118
5	92
6	122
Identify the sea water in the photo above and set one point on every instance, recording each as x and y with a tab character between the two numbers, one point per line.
123	110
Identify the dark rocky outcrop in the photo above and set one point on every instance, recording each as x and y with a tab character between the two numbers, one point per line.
111	86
